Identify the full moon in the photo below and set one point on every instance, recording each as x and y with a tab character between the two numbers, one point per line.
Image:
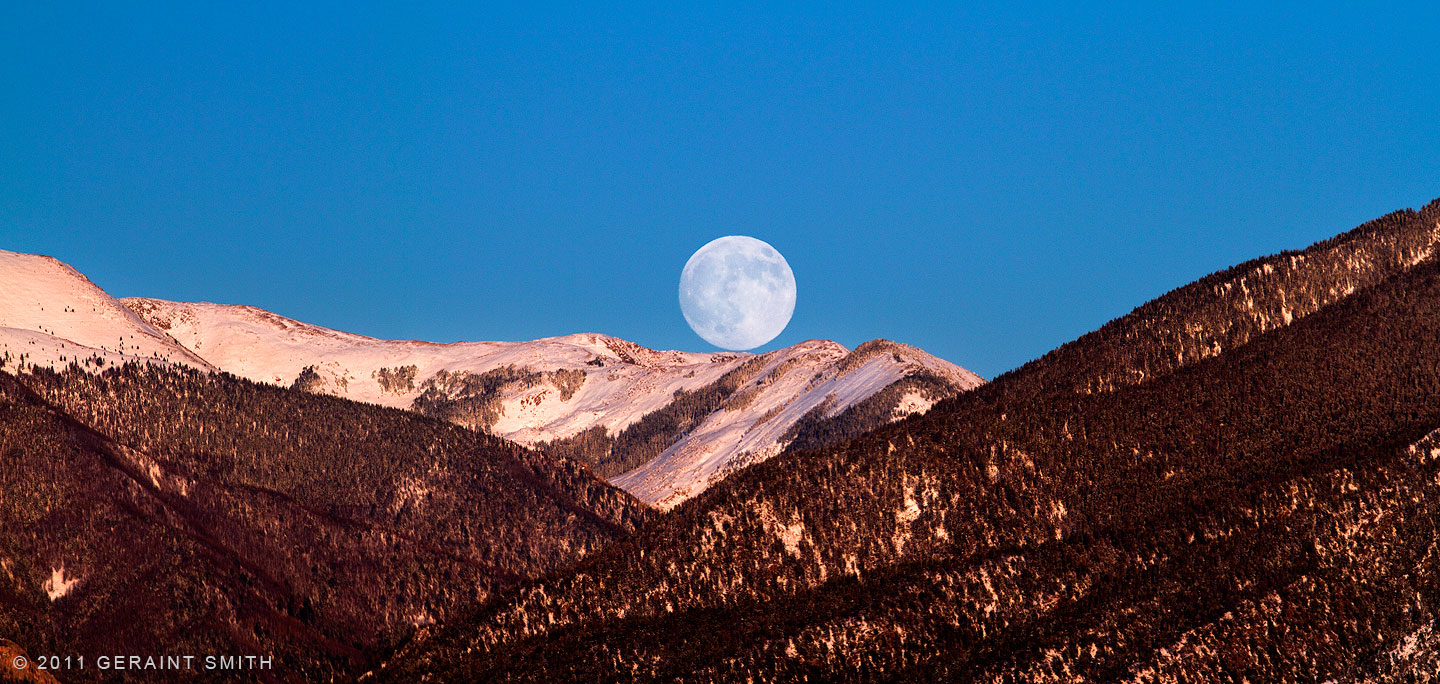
737	292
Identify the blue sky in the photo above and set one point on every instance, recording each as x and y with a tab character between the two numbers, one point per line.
986	183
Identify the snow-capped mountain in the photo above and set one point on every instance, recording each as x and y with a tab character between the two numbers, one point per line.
818	379
662	424
622	381
557	388
51	314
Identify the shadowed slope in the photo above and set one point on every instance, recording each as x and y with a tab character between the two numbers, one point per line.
1264	511
169	511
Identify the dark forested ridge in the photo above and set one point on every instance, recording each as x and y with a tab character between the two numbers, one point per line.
1225	310
166	511
1236	482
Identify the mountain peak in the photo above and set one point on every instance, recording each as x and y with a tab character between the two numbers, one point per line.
52	314
664	424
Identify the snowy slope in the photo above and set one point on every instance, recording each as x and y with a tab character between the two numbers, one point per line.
814	375
622	383
48	310
21	349
532	392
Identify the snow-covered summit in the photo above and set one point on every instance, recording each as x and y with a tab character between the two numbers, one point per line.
623	380
814	380
666	424
48	310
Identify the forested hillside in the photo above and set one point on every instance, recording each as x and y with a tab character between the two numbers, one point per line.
158	510
659	424
1259	506
1225	310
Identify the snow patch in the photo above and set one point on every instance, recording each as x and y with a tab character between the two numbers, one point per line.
58	585
411	491
789	533
906	516
913	402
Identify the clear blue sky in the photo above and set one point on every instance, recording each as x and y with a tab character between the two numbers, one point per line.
984	183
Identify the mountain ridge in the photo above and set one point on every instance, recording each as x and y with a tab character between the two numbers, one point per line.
79	313
596	397
1349	261
1265	510
234	517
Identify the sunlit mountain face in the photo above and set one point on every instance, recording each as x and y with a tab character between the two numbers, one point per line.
664	425
249	482
1234	482
707	343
